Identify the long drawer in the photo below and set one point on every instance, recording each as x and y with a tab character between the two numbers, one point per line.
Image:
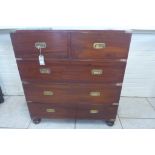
100	44
72	93
105	72
51	110
54	44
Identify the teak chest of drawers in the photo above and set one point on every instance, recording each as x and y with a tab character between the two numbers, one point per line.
72	74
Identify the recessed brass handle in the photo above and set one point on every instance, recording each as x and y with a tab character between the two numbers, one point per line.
93	111
48	93
50	110
99	45
40	45
45	71
96	71
95	93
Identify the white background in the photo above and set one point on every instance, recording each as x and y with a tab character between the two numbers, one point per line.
77	142
110	14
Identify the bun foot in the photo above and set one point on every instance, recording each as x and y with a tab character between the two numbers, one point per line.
1	96
1	101
36	120
110	122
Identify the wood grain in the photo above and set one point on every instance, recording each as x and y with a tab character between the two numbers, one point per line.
117	45
103	111
69	90
39	110
24	44
113	72
61	111
72	93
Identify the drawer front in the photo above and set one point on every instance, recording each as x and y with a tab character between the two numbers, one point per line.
96	112
51	110
54	44
100	44
71	93
72	72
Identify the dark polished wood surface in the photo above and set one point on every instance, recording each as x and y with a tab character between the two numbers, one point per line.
79	79
86	111
116	45
56	44
70	93
42	110
72	72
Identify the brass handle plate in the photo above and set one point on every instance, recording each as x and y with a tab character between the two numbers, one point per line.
48	93
93	111
96	71
99	45
50	110
40	45
94	93
45	71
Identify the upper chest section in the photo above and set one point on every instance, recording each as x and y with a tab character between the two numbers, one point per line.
78	44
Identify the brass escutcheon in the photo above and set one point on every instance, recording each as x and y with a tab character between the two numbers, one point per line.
93	111
99	45
96	71
50	110
45	71
95	93
40	45
48	93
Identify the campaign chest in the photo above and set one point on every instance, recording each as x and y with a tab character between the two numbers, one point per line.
75	74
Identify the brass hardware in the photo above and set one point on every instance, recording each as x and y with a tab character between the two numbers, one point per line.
99	45
93	111
25	82
128	31
123	60
40	45
19	59
93	93
118	84
29	101
96	71
45	71
48	93
50	110
114	103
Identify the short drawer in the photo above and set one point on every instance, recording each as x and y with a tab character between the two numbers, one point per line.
100	44
51	110
53	44
72	93
105	72
87	111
